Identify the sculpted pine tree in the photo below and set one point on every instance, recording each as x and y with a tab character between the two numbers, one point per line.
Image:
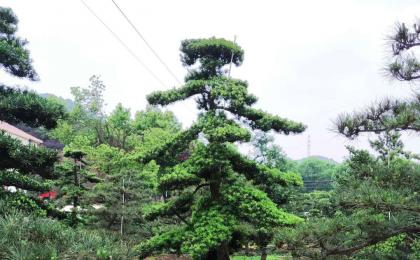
213	190
25	167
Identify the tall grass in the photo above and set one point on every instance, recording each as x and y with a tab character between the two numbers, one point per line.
29	237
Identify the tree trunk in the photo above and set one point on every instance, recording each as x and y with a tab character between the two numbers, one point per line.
215	191
75	197
264	253
220	253
122	209
223	252
211	255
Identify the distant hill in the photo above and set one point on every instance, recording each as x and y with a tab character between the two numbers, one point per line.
68	103
317	172
319	157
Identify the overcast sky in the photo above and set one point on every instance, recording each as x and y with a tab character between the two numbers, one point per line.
305	60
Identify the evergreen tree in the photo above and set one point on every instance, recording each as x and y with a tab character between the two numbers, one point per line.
372	213
213	189
25	167
14	56
74	178
376	199
122	192
391	114
317	174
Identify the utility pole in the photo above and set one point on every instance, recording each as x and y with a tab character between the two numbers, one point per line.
122	213
231	57
75	197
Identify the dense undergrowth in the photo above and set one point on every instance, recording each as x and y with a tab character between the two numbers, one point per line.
28	237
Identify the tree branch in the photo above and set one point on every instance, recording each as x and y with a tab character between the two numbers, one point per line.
200	186
351	250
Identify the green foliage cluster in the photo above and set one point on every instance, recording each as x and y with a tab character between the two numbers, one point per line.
12	201
25	106
405	65
212	54
318	174
372	212
26	159
254	206
32	237
310	205
388	114
112	186
14	56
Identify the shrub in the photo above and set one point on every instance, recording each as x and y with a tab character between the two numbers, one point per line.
32	237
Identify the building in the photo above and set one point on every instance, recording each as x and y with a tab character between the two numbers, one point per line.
18	134
22	136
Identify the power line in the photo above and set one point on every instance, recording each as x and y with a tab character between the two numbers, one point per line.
146	42
123	44
129	50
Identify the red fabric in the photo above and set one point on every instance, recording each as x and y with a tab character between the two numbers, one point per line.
48	195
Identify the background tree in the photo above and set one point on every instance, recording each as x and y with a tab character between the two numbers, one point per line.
267	153
125	186
153	117
122	194
270	154
374	204
73	182
119	127
317	174
214	190
87	117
